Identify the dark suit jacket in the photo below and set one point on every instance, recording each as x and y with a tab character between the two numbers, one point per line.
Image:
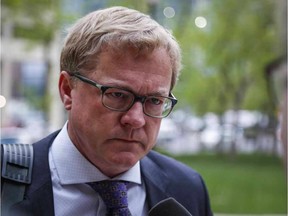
163	177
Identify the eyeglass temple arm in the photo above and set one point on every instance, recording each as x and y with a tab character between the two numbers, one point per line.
174	100
84	79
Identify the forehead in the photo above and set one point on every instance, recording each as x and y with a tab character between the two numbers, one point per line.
138	71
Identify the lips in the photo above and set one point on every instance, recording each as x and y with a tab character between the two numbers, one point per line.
131	142
127	140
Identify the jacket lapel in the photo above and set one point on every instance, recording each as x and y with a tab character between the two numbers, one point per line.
156	182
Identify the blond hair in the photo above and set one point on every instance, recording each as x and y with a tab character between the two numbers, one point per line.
116	28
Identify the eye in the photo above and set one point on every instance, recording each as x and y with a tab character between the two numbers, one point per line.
114	93
117	94
155	101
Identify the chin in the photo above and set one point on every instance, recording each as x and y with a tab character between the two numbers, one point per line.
127	159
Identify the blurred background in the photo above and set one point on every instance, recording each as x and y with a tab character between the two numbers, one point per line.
232	91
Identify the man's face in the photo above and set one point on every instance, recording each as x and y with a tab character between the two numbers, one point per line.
114	141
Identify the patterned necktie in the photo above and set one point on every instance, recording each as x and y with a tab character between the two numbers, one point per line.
114	195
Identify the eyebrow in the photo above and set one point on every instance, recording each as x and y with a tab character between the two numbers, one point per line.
154	93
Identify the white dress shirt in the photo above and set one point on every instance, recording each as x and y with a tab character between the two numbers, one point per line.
70	171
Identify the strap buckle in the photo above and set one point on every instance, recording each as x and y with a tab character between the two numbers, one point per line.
17	162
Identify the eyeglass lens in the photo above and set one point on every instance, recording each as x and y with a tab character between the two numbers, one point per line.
122	100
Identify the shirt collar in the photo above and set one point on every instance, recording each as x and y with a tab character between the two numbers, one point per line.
73	168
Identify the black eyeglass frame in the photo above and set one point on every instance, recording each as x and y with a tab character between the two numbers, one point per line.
137	98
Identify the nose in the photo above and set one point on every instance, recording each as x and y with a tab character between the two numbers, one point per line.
134	117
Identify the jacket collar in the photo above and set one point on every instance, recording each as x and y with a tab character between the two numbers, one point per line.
156	182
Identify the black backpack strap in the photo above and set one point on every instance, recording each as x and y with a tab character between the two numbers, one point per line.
17	162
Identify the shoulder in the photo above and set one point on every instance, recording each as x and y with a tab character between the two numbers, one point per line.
47	140
170	165
177	180
175	171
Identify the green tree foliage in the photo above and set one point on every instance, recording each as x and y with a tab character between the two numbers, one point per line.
33	19
224	62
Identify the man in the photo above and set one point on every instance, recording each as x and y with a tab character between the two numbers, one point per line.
118	68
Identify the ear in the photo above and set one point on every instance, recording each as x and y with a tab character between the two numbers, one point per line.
65	88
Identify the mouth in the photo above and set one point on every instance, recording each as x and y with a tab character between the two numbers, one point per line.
128	145
126	140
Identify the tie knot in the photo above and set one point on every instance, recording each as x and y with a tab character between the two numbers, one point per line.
113	193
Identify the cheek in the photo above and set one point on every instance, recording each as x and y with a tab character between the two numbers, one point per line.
86	110
85	102
153	131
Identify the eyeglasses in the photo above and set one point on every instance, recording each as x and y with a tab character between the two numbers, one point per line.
118	99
